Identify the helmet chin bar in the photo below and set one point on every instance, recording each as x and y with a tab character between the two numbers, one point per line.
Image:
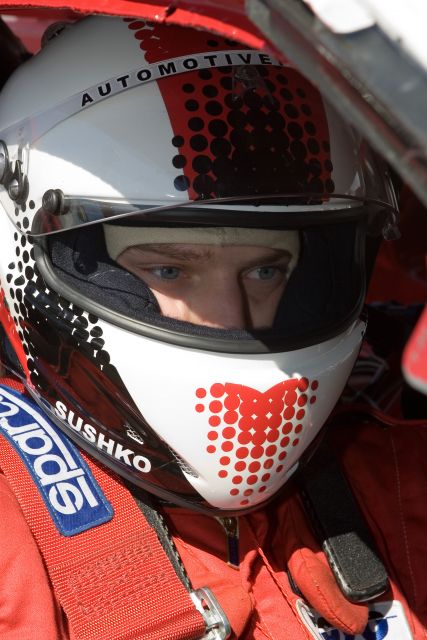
191	501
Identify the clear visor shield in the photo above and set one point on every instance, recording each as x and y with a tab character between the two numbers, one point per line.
60	213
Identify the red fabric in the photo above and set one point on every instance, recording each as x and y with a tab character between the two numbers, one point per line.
310	570
113	581
27	606
414	360
384	461
385	464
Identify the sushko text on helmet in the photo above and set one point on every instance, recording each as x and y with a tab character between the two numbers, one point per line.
103	443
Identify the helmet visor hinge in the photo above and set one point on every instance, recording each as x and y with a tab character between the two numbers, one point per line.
5	171
14	181
52	201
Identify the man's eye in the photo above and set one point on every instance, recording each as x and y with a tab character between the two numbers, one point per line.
263	273
166	273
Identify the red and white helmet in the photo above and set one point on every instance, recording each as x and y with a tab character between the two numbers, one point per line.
136	124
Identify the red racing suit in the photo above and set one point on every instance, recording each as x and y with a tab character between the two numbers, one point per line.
283	588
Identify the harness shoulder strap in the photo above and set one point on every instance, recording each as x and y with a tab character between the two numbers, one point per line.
109	572
340	527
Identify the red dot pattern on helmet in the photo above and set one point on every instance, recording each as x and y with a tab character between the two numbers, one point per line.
253	431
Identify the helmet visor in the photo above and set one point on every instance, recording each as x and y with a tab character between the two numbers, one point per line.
323	293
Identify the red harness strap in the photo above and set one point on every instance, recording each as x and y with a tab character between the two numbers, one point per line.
113	581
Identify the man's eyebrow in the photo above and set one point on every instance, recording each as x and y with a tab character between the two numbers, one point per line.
175	251
270	256
193	253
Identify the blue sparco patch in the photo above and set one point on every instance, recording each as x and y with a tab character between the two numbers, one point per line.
387	621
70	492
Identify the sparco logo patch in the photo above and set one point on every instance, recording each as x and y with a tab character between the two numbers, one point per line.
68	488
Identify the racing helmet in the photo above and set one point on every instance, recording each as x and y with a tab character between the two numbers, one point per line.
122	126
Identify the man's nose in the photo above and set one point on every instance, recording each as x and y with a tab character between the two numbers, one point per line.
222	305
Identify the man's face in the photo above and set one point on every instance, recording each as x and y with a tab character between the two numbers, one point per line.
215	286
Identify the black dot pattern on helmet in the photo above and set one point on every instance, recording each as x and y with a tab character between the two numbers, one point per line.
202	164
192	105
196	124
205	74
181	183
217	128
177	141
198	142
52	330
239	130
210	91
179	161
